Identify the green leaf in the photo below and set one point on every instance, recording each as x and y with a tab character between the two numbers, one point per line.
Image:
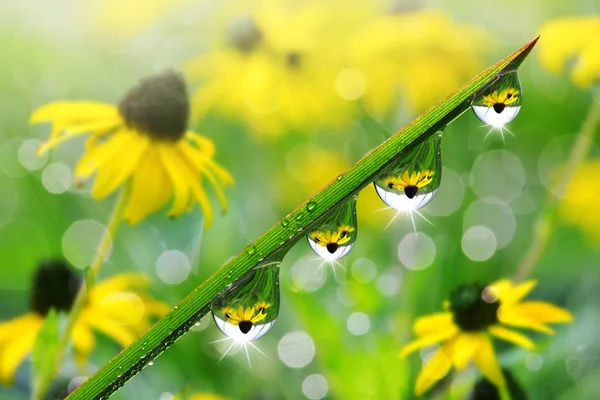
44	348
277	240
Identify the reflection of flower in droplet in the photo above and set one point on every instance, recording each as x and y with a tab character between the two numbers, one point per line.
580	203
332	240
568	38
410	183
145	140
464	330
243	318
261	306
499	101
116	307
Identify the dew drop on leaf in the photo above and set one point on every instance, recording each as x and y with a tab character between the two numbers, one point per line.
335	237
311	205
251	250
413	181
499	103
285	222
249	309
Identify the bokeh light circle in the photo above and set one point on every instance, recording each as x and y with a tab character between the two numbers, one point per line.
315	387
416	251
449	196
296	349
358	323
80	242
308	275
173	267
57	178
390	281
497	174
497	216
479	243
364	270
350	83
28	156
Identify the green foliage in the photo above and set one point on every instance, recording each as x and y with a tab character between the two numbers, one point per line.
46	344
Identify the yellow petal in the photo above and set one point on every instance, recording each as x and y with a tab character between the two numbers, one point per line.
107	326
179	179
120	167
428	340
203	144
464	347
97	156
202	168
587	67
83	338
518	292
512	336
95	128
433	323
15	350
74	112
124	308
545	312
486	361
435	369
118	283
512	316
151	188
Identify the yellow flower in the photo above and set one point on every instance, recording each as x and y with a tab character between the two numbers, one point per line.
475	314
205	396
404	57
499	101
579	205
410	183
245	319
116	307
274	72
143	139
332	240
567	38
262	306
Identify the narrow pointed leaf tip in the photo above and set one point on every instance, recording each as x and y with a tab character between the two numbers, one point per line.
166	331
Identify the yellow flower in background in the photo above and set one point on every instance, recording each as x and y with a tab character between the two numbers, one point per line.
144	139
580	203
205	396
410	183
275	71
416	57
475	314
576	38
126	17
116	307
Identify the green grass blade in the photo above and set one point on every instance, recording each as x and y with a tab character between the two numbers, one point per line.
284	234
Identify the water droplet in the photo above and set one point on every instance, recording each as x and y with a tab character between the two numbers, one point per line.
311	205
176	307
151	363
499	103
335	237
340	177
250	309
251	250
413	181
285	222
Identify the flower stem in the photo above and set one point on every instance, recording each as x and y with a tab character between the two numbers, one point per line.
40	389
504	392
548	217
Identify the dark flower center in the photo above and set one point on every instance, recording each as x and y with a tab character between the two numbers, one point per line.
55	285
245	326
332	247
158	106
293	59
471	312
499	107
411	191
244	35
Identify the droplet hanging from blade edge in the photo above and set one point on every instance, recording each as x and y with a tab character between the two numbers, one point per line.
500	102
336	235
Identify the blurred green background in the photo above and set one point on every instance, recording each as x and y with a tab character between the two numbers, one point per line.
333	339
